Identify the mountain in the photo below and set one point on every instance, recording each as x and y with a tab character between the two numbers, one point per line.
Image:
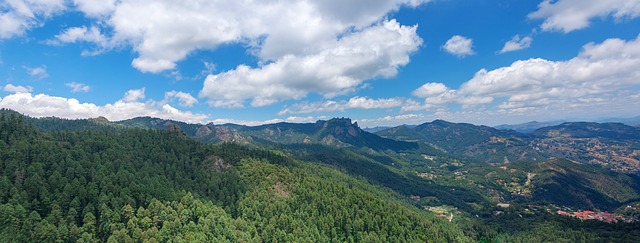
563	182
589	130
151	185
611	145
479	143
375	129
534	125
632	121
150	179
528	127
157	123
337	132
614	146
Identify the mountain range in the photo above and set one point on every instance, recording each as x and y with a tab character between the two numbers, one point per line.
393	157
447	168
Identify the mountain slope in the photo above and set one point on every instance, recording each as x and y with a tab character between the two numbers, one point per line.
150	185
479	143
157	123
337	132
565	183
528	127
611	145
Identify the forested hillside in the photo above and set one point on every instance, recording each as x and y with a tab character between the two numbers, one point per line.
123	184
98	181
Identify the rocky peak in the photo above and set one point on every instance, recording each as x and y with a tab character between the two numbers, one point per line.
101	119
340	127
175	129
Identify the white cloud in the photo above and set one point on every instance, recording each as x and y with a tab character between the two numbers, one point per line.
184	99
17	89
292	119
295	119
570	15
606	72
78	87
459	45
353	103
393	120
37	72
75	34
84	34
133	95
42	105
377	51
516	43
18	16
96	8
366	103
265	27
430	89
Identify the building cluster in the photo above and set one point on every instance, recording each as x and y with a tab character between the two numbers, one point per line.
591	215
584	214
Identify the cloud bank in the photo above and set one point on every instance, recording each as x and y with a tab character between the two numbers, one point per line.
570	15
131	105
377	51
602	74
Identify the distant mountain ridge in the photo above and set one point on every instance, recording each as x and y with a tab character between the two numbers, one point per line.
337	132
480	143
528	127
611	145
632	121
614	146
533	125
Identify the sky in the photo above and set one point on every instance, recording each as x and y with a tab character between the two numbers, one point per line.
379	62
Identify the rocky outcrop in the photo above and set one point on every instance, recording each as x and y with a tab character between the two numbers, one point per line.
176	130
205	130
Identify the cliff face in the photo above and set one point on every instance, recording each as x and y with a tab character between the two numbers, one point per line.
340	127
205	130
175	129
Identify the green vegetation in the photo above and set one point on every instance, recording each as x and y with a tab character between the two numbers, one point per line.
119	185
99	181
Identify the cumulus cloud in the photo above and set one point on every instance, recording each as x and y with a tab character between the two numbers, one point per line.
377	51
516	43
459	45
95	8
334	45
602	75
184	99
570	15
394	120
430	89
17	88
42	105
292	119
133	95
83	34
366	103
353	103
78	87
265	27
19	16
37	72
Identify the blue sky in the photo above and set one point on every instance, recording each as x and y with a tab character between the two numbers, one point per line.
380	62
